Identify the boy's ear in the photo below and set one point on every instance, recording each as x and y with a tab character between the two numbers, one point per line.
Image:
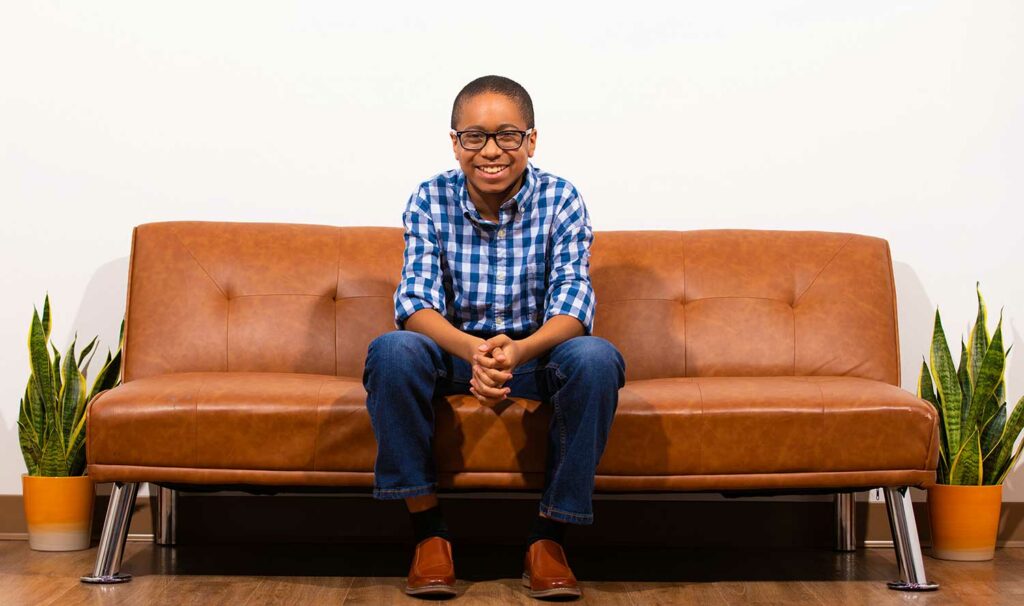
531	143
455	144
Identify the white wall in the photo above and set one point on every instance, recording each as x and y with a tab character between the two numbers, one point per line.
897	119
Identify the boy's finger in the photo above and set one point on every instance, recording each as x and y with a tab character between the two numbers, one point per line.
489	392
485	401
485	376
497	377
485	361
499	354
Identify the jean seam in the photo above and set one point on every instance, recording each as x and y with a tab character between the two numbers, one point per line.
558	372
570	514
560	423
396	491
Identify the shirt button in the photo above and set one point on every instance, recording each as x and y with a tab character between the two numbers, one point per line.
501	233
501	275
499	321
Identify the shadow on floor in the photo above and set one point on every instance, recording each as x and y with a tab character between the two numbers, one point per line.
484	562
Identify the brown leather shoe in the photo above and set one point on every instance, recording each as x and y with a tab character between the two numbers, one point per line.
547	573
432	572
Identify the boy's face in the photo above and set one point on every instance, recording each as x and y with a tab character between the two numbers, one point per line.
492	171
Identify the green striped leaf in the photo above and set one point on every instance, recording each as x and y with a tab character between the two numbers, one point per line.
1001	457
944	374
964	378
990	373
76	455
47	318
74	385
1001	388
57	380
54	463
1012	463
83	358
25	412
926	391
39	358
28	439
979	337
993	432
108	376
36	409
966	469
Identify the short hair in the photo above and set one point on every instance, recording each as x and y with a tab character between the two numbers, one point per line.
495	84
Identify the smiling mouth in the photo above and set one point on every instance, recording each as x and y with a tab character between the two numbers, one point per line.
493	170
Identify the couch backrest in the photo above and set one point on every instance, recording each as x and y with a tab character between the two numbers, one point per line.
309	299
747	303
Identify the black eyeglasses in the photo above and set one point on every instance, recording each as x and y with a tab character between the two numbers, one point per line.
508	140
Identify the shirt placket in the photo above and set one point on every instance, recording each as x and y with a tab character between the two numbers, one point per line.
500	277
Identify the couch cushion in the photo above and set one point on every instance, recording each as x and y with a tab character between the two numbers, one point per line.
663	427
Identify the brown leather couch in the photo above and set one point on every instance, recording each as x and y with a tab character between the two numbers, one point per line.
755	361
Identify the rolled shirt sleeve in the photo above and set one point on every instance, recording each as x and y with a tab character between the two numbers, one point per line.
569	290
422	285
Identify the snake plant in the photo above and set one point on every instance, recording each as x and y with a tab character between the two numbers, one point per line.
976	437
51	421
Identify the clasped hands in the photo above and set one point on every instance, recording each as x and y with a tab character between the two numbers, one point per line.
493	361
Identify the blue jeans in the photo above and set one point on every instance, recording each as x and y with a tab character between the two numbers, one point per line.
579	378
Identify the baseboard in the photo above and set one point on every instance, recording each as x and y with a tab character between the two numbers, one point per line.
327	518
23	536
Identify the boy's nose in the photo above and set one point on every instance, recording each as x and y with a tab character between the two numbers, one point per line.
491	149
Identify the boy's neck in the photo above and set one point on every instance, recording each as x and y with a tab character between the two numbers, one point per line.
488	204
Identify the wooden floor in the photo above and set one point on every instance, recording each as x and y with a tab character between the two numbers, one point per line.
345	574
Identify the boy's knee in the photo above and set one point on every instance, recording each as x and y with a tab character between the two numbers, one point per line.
597	355
399	353
399	342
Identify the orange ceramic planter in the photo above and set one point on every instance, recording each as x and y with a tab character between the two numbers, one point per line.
58	512
964	521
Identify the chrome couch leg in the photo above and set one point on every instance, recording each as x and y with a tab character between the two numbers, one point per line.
166	516
115	533
905	540
846	539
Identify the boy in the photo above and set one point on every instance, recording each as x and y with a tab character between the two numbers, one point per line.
495	301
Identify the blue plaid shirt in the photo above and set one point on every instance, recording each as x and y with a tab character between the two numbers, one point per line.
504	277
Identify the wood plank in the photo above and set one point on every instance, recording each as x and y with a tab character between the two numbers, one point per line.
670	594
140	590
207	590
300	591
30	590
612	576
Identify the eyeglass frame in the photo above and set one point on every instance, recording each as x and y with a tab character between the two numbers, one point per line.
493	135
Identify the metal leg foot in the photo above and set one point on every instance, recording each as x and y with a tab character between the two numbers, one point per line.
905	540
846	539
115	532
166	516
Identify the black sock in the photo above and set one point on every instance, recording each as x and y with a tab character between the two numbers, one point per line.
429	523
546	528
